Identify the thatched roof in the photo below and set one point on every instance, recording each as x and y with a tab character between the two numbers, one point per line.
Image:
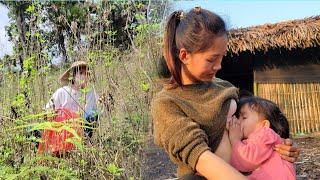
303	33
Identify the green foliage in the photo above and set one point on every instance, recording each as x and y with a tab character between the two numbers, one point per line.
114	170
19	99
33	172
30	9
145	86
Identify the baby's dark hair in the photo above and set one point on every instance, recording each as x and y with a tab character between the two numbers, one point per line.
193	31
270	111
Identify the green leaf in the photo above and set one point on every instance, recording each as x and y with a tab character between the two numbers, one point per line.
30	9
114	170
136	117
22	83
145	86
85	90
37	34
108	64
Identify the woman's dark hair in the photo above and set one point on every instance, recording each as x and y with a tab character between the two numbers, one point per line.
270	111
193	31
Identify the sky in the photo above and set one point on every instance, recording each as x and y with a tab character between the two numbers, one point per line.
5	45
236	13
244	13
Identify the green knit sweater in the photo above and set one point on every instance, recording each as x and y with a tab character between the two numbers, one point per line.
191	119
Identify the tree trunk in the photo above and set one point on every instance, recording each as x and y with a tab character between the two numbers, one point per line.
22	33
62	47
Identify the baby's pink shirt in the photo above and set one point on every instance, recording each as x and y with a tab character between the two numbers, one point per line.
256	154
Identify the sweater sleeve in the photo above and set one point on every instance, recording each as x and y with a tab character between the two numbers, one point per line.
182	138
248	155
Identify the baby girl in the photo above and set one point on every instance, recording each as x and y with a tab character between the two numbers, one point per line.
260	126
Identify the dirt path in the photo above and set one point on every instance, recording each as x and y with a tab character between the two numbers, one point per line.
308	164
158	166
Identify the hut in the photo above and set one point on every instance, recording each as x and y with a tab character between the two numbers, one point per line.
280	62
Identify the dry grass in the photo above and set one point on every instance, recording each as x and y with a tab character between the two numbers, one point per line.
292	34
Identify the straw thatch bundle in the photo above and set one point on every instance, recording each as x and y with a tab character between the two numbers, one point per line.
303	33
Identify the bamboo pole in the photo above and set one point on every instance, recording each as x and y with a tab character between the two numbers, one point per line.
292	108
317	100
287	109
274	96
255	88
316	87
262	90
299	109
270	90
266	91
278	90
278	95
309	96
295	108
305	106
273	92
299	100
304	114
285	105
313	105
302	104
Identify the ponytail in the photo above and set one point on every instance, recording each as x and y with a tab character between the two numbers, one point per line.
170	48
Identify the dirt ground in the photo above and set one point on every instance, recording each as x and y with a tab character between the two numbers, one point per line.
308	164
157	166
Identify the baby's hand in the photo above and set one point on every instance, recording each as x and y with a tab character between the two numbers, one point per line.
235	130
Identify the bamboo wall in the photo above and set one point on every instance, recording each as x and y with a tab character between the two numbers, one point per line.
299	101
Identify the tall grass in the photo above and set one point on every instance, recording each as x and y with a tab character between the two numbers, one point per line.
123	80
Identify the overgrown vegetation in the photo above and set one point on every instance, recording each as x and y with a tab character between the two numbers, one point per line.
121	40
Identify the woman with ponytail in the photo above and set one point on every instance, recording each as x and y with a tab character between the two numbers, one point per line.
191	112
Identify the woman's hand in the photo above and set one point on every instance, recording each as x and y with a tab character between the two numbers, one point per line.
288	150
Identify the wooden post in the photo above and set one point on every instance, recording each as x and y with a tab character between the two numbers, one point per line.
255	88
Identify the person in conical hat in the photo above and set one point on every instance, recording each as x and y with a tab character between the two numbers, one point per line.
78	70
75	93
